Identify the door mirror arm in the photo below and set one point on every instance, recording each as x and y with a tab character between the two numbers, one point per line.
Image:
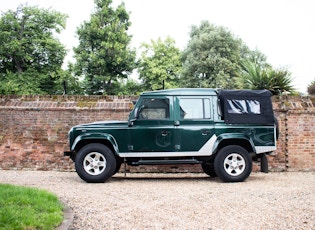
131	121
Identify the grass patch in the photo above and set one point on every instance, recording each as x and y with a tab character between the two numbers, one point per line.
28	208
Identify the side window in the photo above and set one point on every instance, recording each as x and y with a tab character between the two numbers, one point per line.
243	106
195	108
154	109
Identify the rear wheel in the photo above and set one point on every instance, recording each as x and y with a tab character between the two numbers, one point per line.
233	164
95	163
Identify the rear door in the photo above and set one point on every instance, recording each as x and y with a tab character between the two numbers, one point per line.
195	124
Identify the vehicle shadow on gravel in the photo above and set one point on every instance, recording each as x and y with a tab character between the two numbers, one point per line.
147	177
162	177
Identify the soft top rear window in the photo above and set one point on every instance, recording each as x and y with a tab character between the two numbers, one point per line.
246	106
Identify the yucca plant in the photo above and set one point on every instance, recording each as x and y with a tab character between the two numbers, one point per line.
255	77
281	81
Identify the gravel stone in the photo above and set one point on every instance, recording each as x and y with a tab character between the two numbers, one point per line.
283	200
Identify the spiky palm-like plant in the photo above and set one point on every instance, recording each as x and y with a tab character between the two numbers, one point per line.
276	81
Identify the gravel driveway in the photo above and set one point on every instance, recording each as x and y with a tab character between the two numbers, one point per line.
181	201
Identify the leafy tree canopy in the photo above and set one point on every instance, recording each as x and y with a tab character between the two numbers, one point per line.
127	86
211	57
160	64
103	55
30	55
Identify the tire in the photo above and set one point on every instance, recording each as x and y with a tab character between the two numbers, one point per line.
208	169
95	163
233	164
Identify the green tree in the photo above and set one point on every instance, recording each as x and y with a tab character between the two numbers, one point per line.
211	58
30	54
311	88
275	80
160	64
103	55
127	87
67	83
253	56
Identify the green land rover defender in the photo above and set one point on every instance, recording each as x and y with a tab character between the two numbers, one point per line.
223	130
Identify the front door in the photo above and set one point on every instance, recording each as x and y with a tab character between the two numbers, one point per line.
153	131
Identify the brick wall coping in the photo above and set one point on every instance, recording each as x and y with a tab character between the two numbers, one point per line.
66	102
281	103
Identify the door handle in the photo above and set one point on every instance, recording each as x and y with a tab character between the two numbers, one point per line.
205	132
164	133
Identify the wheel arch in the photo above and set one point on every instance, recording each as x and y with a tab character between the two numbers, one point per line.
226	140
105	139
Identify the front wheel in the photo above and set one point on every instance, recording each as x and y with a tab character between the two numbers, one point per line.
233	164
95	163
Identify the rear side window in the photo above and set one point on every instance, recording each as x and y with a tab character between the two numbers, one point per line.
246	106
243	106
194	108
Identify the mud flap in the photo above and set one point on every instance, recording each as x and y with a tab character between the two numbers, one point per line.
263	163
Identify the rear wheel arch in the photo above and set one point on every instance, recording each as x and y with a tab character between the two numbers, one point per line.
245	143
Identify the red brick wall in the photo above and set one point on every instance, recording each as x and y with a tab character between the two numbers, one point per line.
296	146
33	131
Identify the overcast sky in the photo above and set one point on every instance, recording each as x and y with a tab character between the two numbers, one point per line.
282	29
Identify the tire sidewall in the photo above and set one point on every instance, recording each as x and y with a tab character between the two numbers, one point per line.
107	154
223	154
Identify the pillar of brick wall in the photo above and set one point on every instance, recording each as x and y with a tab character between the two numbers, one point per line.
296	144
33	131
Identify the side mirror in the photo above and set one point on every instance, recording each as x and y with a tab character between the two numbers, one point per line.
136	113
134	116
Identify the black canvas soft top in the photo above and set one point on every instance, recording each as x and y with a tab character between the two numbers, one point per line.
246	106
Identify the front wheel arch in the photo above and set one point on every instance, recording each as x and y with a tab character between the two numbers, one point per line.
105	142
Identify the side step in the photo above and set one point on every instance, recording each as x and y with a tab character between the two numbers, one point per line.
166	162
